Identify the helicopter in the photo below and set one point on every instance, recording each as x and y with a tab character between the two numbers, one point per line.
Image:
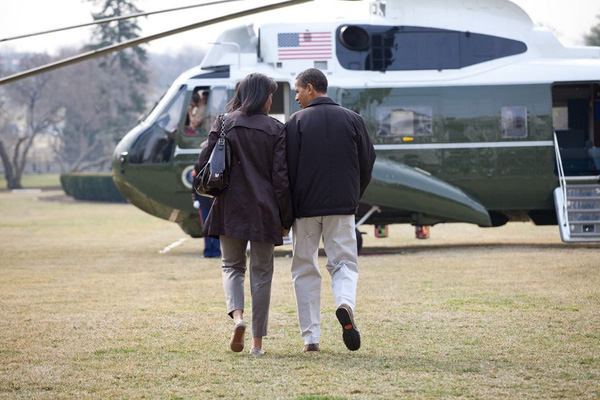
476	115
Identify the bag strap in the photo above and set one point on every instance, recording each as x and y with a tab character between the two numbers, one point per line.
223	125
221	139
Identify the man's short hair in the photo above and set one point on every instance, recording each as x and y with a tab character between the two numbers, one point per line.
315	77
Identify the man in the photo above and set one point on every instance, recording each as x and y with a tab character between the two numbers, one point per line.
330	159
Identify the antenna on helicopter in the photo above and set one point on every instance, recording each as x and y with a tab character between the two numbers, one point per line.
138	41
112	19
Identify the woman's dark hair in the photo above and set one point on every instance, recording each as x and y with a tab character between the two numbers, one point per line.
315	77
252	93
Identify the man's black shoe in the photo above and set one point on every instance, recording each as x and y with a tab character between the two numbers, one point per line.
350	334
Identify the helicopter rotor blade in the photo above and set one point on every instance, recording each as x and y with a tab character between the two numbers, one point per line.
138	41
112	19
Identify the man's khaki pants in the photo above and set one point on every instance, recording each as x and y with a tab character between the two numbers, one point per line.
339	240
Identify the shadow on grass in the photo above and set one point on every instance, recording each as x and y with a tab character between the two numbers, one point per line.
373	251
431	249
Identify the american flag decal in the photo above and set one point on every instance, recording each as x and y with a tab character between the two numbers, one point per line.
304	46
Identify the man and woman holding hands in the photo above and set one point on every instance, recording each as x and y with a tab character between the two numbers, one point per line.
308	175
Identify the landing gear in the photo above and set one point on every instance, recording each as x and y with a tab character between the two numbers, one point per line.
359	241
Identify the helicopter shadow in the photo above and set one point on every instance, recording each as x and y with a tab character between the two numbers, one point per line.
429	249
371	251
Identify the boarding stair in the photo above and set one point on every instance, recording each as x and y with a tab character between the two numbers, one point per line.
577	202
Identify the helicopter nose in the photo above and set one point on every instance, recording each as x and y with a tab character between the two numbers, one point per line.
123	157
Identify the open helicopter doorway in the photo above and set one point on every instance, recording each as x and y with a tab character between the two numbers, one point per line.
281	107
576	122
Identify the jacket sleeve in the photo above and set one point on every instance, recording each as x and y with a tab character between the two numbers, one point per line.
281	181
292	137
366	155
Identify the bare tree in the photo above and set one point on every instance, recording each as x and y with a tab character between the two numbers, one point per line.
102	99
7	131
30	106
87	134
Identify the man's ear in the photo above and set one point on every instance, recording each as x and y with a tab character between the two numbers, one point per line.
310	88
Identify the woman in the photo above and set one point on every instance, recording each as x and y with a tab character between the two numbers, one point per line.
255	207
197	109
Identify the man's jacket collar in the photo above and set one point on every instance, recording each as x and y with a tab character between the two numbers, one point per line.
321	100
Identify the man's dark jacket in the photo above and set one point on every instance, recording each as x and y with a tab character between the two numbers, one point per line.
330	159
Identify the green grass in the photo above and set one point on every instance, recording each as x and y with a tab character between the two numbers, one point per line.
90	309
34	181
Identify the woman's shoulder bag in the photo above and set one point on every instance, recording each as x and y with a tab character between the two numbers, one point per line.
214	177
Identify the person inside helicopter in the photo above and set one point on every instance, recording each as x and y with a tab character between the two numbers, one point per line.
197	108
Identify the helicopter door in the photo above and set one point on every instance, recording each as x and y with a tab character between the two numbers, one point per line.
280	109
576	121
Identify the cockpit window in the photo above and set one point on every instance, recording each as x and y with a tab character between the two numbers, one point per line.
219	96
169	118
218	101
155	144
152	146
196	120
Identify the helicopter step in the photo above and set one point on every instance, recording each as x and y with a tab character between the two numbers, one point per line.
578	210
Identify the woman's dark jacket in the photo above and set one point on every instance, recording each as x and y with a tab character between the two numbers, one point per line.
330	159
257	203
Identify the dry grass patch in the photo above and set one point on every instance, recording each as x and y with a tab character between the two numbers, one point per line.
90	309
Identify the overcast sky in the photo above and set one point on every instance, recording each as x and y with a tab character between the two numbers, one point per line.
569	19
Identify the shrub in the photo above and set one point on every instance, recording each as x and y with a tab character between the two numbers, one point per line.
97	186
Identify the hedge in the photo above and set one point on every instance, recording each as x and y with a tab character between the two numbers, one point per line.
97	186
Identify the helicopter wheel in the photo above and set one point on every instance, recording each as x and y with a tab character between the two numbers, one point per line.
359	241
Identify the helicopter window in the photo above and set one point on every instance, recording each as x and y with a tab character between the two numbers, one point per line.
196	120
322	65
151	147
169	118
514	122
155	144
218	100
404	121
402	48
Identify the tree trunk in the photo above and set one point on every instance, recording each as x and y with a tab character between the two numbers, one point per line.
12	182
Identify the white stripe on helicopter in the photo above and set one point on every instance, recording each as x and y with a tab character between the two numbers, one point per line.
427	146
481	145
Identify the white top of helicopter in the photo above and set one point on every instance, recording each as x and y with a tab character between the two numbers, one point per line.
492	17
546	59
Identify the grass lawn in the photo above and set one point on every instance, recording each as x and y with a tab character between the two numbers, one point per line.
91	308
34	181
